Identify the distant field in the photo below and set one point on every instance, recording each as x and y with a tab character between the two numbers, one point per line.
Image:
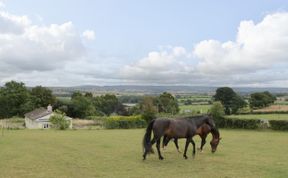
64	98
194	108
118	153
261	116
273	108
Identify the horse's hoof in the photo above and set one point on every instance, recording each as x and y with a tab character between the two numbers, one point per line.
179	151
185	157
161	158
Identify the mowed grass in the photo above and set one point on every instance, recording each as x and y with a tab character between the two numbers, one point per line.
261	116
118	153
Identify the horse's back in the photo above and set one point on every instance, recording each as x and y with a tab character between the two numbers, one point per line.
160	125
180	128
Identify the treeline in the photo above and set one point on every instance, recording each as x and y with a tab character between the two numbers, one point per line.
233	102
16	100
83	105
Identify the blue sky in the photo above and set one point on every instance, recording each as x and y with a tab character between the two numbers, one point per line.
132	39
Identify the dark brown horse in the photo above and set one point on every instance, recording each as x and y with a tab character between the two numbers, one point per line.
174	128
202	131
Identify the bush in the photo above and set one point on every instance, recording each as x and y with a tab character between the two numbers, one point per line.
58	121
278	124
125	122
217	111
239	123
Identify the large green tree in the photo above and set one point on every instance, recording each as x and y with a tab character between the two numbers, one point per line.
81	107
167	103
42	96
231	101
15	100
148	108
107	104
261	99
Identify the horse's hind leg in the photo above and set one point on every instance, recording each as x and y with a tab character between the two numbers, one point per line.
193	143
152	143
165	141
186	147
158	148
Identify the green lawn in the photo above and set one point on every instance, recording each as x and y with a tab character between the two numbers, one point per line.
118	153
261	116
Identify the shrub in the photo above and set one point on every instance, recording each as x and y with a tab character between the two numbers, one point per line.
278	124
125	122
58	121
239	123
217	111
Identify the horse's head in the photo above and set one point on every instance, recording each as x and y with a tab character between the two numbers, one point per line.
214	143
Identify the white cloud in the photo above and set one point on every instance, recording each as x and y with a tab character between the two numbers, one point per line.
28	47
89	34
56	54
2	4
259	48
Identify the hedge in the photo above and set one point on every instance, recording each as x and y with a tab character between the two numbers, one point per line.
279	124
124	122
238	123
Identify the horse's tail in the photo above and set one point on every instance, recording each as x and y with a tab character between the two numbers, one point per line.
147	147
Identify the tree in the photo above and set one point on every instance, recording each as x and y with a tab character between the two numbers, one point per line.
76	94
167	103
81	107
42	96
15	100
230	100
148	108
107	103
261	99
88	95
58	120
217	112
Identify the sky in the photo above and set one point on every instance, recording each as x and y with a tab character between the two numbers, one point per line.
126	42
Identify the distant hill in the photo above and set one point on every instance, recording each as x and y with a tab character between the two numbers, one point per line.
155	90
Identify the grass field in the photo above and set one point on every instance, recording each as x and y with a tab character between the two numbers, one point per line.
261	116
118	153
195	108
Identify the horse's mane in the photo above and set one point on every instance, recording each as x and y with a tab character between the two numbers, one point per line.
215	132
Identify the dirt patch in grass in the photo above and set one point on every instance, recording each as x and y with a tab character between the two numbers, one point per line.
86	124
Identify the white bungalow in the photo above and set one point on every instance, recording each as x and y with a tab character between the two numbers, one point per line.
39	118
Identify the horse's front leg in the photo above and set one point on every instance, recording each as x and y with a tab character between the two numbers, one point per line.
186	147
203	141
193	143
158	148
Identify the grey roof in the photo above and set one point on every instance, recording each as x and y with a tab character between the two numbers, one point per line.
37	113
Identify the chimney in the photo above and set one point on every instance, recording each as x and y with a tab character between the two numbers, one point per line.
49	108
